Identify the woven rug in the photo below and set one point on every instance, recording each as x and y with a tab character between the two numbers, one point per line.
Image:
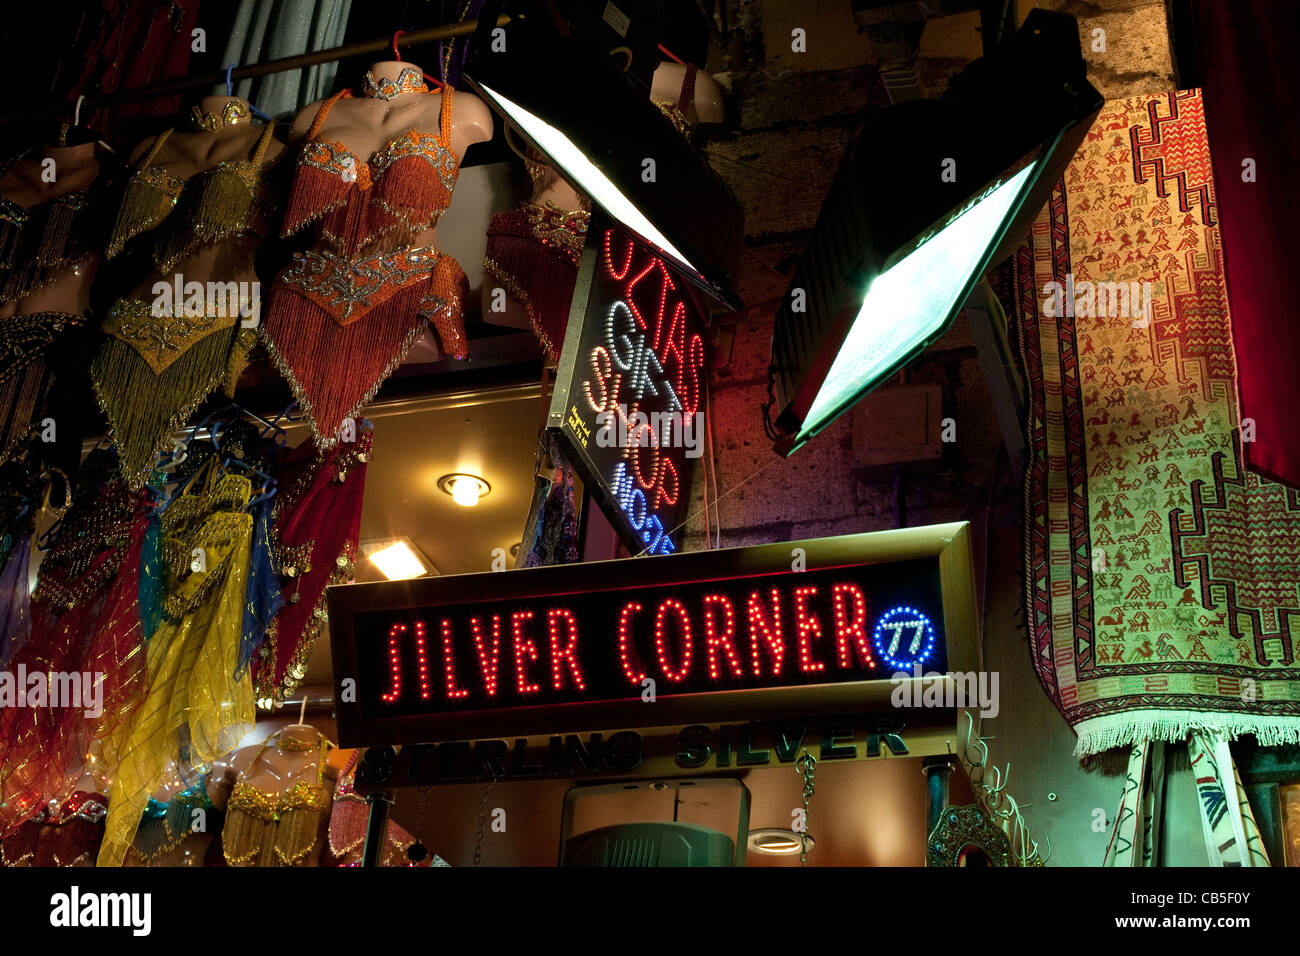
1162	579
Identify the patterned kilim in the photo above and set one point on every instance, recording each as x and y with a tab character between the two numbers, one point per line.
1162	579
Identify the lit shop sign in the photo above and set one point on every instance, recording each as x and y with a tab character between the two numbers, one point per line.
628	394
805	627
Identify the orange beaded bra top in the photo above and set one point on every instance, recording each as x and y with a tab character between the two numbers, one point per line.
344	313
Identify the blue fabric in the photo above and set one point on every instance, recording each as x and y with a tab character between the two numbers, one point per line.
151	583
263	597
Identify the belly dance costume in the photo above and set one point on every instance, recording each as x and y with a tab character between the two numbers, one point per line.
315	527
157	365
166	823
85	621
194	705
344	314
276	829
38	246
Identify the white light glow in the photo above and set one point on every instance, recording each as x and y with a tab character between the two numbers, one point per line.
397	562
911	301
586	175
466	492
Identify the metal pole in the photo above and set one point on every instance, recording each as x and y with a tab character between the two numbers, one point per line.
414	38
936	770
380	802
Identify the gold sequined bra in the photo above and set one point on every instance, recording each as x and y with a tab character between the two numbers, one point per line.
275	829
218	204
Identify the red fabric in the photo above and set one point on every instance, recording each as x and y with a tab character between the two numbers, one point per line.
318	508
1252	97
44	749
140	43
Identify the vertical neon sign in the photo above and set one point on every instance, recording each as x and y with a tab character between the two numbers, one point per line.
633	409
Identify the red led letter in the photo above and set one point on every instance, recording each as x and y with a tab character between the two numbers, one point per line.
523	646
449	662
661	642
617	274
625	643
394	664
714	640
807	627
569	652
488	663
422	657
853	625
771	632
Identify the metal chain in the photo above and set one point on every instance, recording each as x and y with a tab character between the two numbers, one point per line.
806	767
482	818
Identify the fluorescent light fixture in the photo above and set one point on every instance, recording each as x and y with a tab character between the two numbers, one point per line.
584	174
931	194
912	301
559	89
398	561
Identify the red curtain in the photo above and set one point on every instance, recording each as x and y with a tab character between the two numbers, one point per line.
1248	72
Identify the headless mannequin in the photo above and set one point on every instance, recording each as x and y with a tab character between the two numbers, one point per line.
75	169
275	771
186	154
364	125
706	107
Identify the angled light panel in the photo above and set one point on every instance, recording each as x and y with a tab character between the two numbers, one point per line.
911	303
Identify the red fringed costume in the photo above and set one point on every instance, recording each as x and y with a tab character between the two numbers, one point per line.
344	314
316	524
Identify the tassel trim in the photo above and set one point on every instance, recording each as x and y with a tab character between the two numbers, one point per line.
1126	729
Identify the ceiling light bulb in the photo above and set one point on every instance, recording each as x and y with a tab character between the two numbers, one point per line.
465	492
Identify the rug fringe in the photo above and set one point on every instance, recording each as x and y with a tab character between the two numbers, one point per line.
1123	730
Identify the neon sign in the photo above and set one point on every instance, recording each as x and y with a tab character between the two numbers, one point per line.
636	643
628	397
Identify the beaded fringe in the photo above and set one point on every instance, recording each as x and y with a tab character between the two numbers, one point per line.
143	409
139	215
335	370
226	207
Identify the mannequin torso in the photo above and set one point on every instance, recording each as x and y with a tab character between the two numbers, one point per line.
75	168
185	154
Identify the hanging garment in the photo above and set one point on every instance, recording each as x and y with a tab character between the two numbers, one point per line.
1160	574
20	502
273	29
73	830
275	829
533	253
551	530
155	365
346	312
139	43
315	528
194	700
85	627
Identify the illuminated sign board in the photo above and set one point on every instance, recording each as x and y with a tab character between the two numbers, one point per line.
806	627
628	395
